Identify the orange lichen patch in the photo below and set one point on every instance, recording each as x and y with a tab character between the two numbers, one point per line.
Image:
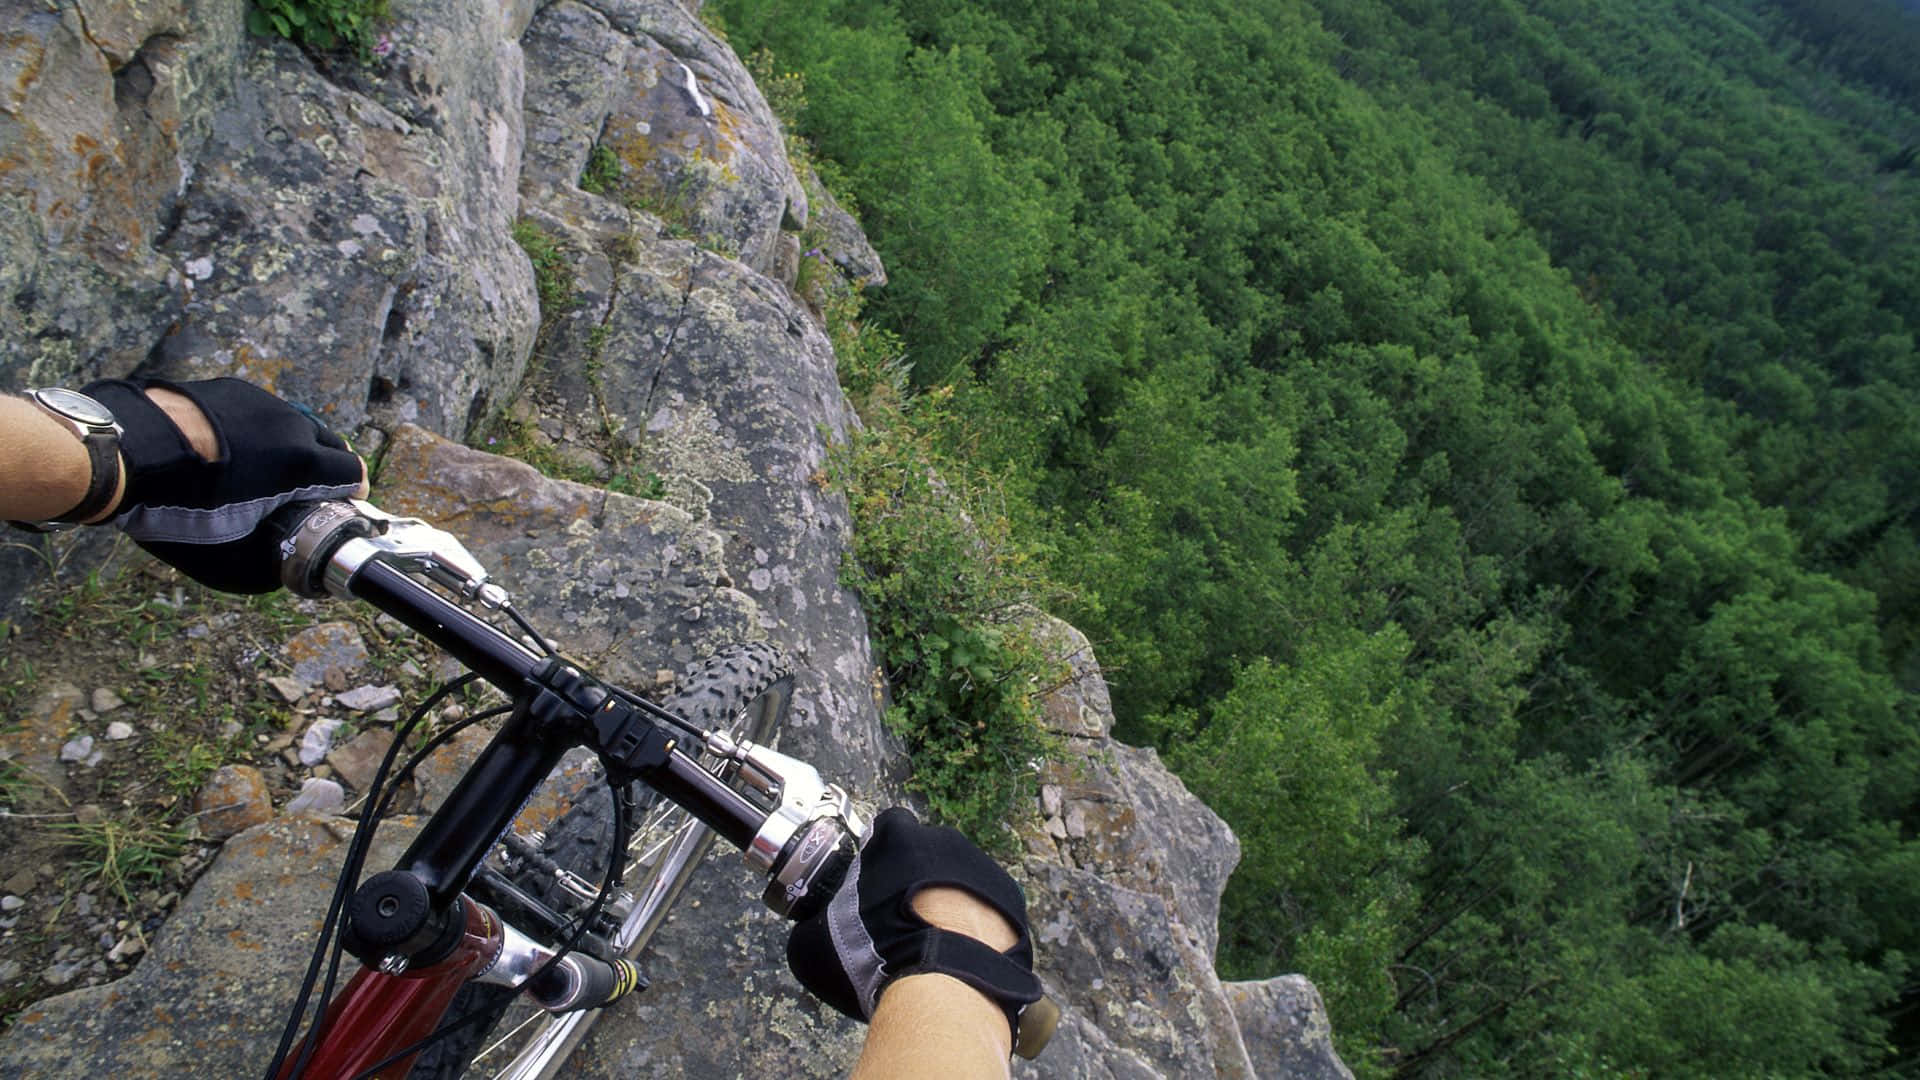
634	150
553	798
243	890
328	645
727	123
242	941
260	370
84	144
29	70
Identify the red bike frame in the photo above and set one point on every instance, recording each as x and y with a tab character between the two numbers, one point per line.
379	1015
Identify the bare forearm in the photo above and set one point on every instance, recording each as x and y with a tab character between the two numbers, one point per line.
43	469
935	1027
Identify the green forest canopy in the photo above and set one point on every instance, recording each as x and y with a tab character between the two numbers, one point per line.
1484	442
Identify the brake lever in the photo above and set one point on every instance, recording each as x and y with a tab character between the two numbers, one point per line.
416	546
318	556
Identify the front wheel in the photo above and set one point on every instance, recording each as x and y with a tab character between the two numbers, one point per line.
744	691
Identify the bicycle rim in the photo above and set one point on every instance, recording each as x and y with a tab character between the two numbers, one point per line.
743	691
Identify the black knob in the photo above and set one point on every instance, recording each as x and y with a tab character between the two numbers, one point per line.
389	909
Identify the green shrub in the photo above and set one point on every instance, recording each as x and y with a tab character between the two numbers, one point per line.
551	279
319	24
947	589
602	171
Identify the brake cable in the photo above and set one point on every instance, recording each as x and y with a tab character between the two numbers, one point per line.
379	800
349	872
622	828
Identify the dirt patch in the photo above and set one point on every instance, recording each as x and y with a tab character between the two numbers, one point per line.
123	692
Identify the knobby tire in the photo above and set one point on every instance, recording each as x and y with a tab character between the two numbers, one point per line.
743	690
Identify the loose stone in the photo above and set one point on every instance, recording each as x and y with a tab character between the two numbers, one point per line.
291	690
318	796
235	798
317	741
333	645
369	698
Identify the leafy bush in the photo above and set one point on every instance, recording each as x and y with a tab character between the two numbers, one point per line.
946	586
602	171
551	279
319	24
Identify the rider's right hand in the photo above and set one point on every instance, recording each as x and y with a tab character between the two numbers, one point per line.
201	513
873	931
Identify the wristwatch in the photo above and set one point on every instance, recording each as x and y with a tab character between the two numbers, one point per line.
96	428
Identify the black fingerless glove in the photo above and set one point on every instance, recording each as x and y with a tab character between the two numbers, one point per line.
869	935
203	516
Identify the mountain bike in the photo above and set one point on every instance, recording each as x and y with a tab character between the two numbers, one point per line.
487	951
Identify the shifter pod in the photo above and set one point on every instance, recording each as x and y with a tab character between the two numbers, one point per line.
808	837
320	530
811	868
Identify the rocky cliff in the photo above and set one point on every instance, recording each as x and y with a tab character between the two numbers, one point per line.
180	198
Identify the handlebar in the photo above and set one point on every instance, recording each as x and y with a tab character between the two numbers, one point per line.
353	550
804	843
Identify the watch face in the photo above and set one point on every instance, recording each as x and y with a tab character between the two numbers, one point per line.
76	405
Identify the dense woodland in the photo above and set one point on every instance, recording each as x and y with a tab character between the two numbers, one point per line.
1483	440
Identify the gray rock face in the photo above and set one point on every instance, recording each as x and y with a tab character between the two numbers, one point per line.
351	248
841	241
1121	813
730	395
689	135
1286	1029
1124	868
208	203
633	583
102	114
209	997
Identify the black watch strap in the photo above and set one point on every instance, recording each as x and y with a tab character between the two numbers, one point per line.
103	454
94	425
